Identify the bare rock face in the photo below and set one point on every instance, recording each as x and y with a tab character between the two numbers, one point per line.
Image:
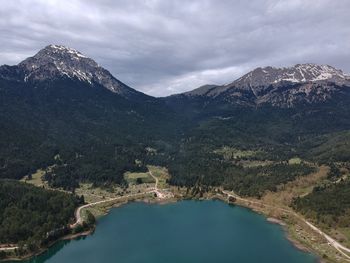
55	61
282	87
296	74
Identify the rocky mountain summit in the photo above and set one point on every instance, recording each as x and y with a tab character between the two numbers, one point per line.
56	62
297	74
283	87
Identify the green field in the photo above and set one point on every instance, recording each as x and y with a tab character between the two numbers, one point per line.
161	173
36	179
230	153
133	178
295	160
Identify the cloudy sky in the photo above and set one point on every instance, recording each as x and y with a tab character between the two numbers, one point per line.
163	47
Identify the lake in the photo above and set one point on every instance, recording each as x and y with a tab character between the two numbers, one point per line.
186	231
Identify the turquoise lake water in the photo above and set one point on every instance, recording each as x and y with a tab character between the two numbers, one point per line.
186	231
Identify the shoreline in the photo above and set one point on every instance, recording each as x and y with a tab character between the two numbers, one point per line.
296	243
51	244
293	241
272	220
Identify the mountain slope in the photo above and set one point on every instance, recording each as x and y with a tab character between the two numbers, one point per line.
56	62
265	112
52	114
280	87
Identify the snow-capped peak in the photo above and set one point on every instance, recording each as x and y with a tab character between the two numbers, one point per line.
60	49
55	61
318	72
299	73
314	83
60	60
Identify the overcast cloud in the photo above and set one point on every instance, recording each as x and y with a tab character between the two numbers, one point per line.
163	47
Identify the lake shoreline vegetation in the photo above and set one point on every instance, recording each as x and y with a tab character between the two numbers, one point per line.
183	193
296	243
251	152
91	229
74	140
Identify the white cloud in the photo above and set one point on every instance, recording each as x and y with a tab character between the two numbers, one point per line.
188	81
163	47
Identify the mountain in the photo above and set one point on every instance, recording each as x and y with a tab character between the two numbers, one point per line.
56	62
281	87
64	114
61	108
298	111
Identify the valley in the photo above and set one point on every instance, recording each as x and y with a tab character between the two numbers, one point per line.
275	205
73	132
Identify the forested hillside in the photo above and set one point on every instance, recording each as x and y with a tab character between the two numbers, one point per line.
62	113
327	205
60	109
33	216
87	133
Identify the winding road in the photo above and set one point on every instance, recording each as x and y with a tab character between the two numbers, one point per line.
160	194
339	247
155	178
78	217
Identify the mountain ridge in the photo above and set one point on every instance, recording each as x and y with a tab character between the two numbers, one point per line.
309	82
57	61
53	121
281	87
